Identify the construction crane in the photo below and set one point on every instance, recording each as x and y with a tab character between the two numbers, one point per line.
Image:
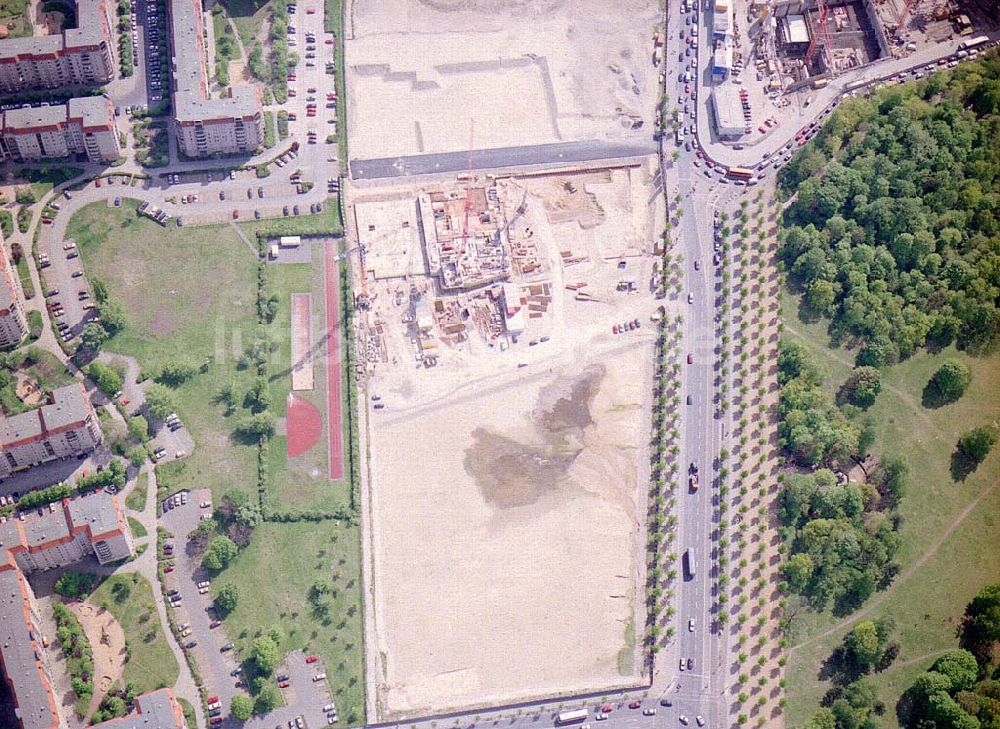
468	191
819	32
908	7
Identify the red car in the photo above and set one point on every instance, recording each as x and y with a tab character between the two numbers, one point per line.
635	704
168	569
329	41
215	624
687	88
97	182
283	684
236	215
291	77
607	709
212	699
312	659
215	720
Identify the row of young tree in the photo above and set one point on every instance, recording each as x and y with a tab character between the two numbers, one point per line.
894	231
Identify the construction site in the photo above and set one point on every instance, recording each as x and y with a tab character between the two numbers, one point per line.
421	75
508	326
816	41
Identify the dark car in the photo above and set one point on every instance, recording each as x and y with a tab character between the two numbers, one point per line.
191	644
690	664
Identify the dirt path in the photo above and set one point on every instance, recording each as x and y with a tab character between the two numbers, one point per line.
914	406
108	644
860	614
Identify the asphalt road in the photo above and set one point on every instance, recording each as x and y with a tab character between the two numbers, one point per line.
503	157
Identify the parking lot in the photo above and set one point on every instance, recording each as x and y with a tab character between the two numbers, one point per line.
307	701
192	605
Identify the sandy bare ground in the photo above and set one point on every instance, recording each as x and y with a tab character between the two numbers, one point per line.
108	644
432	76
507	536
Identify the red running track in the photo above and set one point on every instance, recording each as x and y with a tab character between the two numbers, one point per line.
305	426
334	396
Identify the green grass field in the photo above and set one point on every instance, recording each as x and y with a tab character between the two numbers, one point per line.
129	598
275	574
189	295
136	500
950	541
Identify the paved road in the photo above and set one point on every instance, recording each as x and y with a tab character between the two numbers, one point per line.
503	157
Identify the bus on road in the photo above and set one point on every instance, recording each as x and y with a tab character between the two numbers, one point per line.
689	563
740	173
569	717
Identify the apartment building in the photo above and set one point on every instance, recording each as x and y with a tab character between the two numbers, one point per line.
66	426
13	323
81	56
206	126
28	681
155	710
85	126
55	536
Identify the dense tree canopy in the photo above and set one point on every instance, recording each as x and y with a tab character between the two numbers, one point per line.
895	231
842	546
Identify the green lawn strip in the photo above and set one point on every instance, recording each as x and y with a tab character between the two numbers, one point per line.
138	530
6	223
270	133
150	664
334	22
136	500
275	574
24	273
189	715
927	603
190	299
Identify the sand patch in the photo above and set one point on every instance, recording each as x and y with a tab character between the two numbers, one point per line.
507	539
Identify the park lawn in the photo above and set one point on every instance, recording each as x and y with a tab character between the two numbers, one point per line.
150	664
136	500
274	574
189	295
926	601
46	370
248	18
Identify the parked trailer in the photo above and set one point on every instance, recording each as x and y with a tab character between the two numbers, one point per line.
968	45
569	717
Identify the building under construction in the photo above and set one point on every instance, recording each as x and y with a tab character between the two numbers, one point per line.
462	241
818	40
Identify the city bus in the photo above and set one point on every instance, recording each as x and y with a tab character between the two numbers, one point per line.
689	563
739	173
569	717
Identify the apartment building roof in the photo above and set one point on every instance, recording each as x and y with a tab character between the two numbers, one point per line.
241	103
8	289
99	512
155	710
69	408
190	82
99	515
19	654
93	112
88	34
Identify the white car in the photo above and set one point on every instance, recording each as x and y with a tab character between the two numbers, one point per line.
691	625
701	722
203	584
683	719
